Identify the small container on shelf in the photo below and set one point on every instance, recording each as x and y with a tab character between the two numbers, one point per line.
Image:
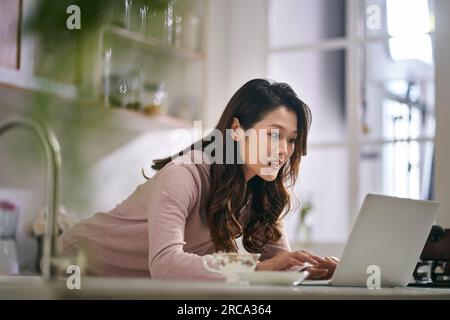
154	99
143	18
178	19
178	31
135	80
161	24
169	23
191	32
122	14
123	90
116	92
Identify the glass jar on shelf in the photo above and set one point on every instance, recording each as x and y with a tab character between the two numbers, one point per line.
107	64
118	94
178	31
122	13
169	22
191	31
140	16
135	81
161	22
154	99
178	16
143	17
156	16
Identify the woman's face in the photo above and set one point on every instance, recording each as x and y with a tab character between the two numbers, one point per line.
269	144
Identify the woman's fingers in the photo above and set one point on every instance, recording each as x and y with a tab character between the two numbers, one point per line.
300	257
332	262
331	267
329	260
315	257
317	274
304	257
288	260
328	264
323	270
293	259
334	259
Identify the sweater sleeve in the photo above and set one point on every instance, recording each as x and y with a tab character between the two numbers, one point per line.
175	193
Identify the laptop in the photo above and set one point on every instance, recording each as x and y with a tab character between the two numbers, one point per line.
386	241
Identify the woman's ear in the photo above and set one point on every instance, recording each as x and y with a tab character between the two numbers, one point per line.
235	129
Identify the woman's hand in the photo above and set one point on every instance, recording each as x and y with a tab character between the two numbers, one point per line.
323	270
287	260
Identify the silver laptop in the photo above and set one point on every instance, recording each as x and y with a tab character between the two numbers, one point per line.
386	241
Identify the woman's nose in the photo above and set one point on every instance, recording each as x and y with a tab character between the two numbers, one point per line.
282	148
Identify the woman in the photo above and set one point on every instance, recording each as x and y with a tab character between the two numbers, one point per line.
227	185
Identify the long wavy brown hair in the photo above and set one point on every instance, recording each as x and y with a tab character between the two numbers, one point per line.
229	191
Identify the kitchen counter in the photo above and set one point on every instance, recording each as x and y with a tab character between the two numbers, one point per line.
22	287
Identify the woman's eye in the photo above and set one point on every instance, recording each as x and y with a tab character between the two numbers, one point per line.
292	140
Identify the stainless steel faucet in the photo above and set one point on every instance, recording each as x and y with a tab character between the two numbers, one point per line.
53	158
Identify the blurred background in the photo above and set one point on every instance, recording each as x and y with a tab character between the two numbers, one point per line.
118	81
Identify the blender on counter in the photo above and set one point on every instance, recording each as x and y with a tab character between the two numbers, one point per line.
9	217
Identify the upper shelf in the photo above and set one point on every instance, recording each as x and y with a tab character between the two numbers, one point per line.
141	123
153	44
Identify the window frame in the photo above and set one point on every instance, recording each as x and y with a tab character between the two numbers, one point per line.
353	45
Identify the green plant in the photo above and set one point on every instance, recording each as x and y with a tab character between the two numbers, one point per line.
65	56
305	209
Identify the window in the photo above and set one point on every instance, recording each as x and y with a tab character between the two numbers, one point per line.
307	50
366	70
398	118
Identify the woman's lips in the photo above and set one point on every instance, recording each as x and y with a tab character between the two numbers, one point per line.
274	164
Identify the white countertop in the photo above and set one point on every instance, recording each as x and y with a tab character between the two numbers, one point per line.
22	287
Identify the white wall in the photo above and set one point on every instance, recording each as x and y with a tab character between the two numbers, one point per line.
236	48
236	45
442	161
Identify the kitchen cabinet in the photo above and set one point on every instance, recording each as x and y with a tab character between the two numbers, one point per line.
18	58
115	58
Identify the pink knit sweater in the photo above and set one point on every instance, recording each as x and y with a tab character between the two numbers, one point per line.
157	231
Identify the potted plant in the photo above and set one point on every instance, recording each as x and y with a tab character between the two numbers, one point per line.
305	220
